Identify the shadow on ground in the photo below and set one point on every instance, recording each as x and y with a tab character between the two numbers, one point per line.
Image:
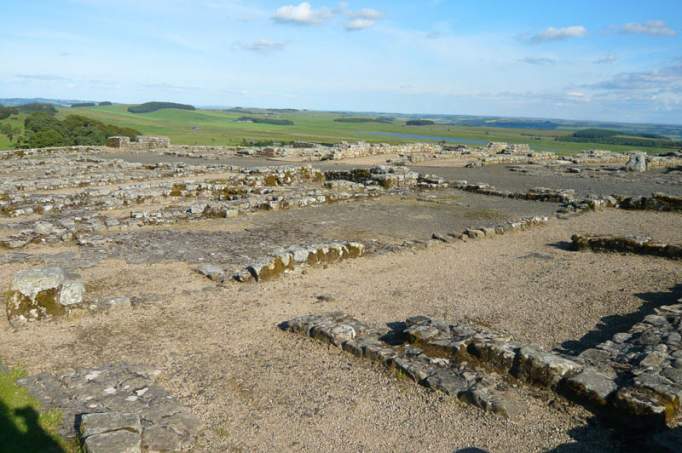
21	432
610	325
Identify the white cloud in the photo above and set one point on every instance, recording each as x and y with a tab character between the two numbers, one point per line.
261	46
652	27
362	19
537	60
606	59
558	34
301	14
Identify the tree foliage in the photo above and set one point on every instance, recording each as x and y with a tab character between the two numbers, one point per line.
37	108
611	137
273	121
419	123
149	107
6	112
42	129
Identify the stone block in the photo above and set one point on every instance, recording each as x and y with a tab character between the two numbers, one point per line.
543	368
590	387
43	293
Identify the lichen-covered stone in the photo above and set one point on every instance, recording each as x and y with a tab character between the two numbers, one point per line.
591	387
543	368
43	293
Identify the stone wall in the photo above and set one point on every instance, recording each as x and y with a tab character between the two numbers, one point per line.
626	244
632	380
141	142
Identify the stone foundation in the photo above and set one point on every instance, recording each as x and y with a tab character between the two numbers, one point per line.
626	244
633	380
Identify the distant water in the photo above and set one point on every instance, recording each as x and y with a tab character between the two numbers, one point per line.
434	138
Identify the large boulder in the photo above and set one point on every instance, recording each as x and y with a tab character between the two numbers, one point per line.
43	293
637	162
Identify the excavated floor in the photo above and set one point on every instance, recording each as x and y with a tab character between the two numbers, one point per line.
253	387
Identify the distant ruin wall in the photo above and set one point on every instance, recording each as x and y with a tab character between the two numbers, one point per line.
141	142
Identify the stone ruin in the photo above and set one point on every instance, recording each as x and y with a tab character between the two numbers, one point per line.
139	143
632	380
116	408
640	245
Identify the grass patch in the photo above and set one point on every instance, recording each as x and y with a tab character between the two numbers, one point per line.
23	427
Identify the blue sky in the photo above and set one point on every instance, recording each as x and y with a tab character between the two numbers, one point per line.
606	60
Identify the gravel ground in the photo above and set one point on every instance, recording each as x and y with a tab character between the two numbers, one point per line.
257	388
624	183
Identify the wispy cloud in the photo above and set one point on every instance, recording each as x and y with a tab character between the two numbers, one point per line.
652	28
362	19
668	78
538	60
301	14
606	59
261	46
40	77
559	34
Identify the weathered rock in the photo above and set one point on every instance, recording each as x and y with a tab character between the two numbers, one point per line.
637	162
213	272
111	432
591	387
120	441
543	368
42	294
637	406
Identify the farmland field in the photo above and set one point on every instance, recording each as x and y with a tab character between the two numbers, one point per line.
216	127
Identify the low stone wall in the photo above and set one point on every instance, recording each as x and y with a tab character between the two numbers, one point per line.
493	230
294	257
140	143
657	202
632	380
534	194
387	177
378	345
626	244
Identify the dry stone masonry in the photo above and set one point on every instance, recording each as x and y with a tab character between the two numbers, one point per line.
640	245
381	346
632	380
116	407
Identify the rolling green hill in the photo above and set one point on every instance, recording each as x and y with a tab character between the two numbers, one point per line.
219	127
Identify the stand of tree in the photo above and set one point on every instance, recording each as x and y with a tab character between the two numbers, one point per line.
84	104
6	112
419	123
611	137
149	107
42	130
35	108
274	121
355	119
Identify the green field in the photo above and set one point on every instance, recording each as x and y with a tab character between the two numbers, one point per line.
215	127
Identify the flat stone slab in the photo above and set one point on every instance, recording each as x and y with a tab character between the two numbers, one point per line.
109	404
